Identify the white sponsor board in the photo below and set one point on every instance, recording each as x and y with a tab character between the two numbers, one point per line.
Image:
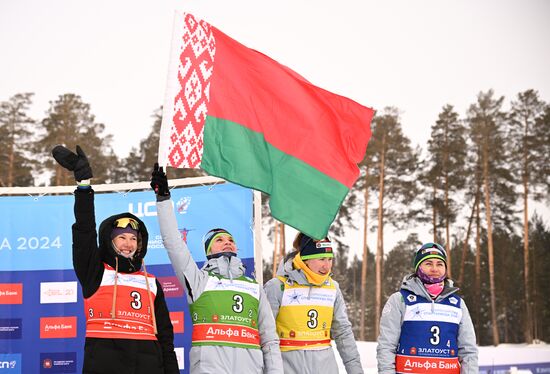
58	292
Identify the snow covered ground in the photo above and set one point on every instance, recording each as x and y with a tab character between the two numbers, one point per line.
502	359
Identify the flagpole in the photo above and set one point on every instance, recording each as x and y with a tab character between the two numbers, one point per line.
258	263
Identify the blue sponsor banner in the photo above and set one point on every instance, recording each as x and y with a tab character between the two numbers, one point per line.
11	328
536	368
35	233
58	362
10	363
36	266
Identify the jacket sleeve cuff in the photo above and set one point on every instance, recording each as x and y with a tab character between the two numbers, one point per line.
163	198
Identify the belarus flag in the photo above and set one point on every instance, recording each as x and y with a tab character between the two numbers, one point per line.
242	116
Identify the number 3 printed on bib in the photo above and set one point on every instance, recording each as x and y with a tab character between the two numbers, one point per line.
238	306
312	314
136	304
435	337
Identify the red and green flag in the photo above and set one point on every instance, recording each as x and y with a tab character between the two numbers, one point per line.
244	117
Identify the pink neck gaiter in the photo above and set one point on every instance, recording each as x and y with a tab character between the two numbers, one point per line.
434	289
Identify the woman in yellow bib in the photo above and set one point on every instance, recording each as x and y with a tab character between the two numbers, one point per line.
309	310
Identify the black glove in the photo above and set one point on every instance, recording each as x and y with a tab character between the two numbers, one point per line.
159	182
75	162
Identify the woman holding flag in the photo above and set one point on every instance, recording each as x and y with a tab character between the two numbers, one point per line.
233	328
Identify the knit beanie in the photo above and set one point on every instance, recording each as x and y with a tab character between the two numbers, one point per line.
310	248
429	250
210	236
120	230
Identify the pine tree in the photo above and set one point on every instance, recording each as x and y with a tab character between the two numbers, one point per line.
395	162
69	122
529	167
279	247
432	205
365	251
486	126
447	153
15	134
477	266
543	133
473	197
465	248
539	245
508	275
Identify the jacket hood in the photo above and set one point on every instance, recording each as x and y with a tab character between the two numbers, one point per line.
412	283
107	252
286	269
228	267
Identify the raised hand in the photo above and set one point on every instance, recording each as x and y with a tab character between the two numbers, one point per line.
75	162
159	182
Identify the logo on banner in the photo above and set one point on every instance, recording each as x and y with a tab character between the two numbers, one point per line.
147	209
58	292
58	362
184	233
171	286
183	204
11	293
11	328
57	327
179	356
10	363
177	321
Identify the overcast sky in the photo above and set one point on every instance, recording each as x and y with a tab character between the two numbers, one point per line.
415	55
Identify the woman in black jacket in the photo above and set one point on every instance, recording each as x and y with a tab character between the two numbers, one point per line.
123	333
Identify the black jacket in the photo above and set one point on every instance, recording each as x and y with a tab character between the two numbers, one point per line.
117	355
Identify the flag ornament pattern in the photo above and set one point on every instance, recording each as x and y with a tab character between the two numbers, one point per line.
242	116
189	104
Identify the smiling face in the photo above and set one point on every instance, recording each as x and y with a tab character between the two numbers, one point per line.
433	267
321	266
125	244
222	243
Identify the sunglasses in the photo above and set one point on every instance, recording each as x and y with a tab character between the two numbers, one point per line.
125	221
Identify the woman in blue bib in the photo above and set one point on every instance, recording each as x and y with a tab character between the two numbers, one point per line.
425	327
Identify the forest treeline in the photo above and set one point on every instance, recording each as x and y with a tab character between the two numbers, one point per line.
472	183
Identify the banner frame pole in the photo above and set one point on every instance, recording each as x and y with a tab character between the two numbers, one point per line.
110	187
